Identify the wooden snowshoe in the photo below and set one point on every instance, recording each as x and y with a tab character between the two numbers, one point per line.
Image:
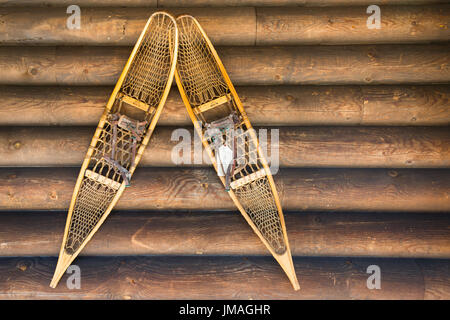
227	135
122	134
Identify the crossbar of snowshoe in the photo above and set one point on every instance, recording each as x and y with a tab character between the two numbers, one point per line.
136	103
102	179
212	104
247	179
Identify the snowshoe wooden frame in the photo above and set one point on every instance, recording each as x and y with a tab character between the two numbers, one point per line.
142	88
197	106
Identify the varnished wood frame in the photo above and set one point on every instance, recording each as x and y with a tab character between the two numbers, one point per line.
285	260
65	259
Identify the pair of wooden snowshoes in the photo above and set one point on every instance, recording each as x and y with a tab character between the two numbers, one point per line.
168	47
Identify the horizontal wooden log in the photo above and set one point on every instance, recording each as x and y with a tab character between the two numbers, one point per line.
400	106
291	3
292	105
117	26
231	26
405	235
82	3
211	3
225	278
348	25
415	147
406	190
380	64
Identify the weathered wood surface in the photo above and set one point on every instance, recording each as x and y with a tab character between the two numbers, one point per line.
82	3
377	64
265	105
212	3
381	147
407	190
272	3
348	25
117	26
231	278
405	235
231	26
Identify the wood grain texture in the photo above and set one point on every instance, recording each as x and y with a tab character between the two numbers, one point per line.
211	3
348	25
379	147
117	26
265	105
344	211
231	278
81	3
376	64
406	105
407	190
405	235
290	3
231	26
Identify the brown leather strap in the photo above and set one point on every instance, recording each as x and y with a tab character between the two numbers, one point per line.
136	137
228	175
234	154
226	123
126	175
114	139
133	150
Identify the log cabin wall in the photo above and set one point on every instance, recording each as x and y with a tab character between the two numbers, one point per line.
363	118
